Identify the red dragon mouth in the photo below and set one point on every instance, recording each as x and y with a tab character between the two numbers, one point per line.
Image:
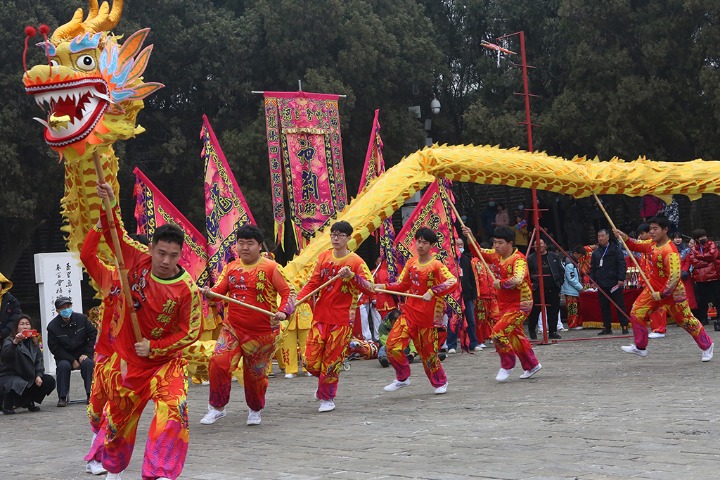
75	108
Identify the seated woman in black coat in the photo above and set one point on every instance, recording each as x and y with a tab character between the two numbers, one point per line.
23	382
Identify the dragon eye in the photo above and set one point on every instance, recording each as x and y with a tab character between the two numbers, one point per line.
54	63
85	62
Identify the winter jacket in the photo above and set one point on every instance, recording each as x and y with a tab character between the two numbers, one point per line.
69	340
613	267
9	308
572	285
19	365
557	272
703	259
467	279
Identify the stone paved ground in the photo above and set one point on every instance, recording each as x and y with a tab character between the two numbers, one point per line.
593	412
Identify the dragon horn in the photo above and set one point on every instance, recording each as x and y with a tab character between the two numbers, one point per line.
71	29
106	19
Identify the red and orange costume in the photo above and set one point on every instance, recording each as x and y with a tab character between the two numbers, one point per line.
419	318
515	301
487	311
333	317
169	313
247	334
658	317
663	270
107	281
384	302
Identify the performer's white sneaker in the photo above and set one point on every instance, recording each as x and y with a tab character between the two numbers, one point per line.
656	335
441	389
708	354
633	349
253	417
478	348
213	415
113	476
531	372
95	467
326	406
503	375
290	375
397	385
451	351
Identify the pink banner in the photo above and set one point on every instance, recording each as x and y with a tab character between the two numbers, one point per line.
225	205
153	209
374	161
303	132
432	212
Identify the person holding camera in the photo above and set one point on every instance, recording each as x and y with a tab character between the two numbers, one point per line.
71	339
23	382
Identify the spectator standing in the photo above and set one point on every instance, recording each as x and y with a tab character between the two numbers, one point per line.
502	219
488	217
553	277
672	212
10	310
521	234
469	295
607	269
23	381
71	340
685	268
705	274
572	287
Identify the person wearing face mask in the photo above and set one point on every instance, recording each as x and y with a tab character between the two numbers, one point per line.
705	273
71	340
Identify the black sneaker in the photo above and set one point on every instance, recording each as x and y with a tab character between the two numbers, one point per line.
605	332
62	402
554	336
442	356
33	408
625	331
384	362
8	411
533	336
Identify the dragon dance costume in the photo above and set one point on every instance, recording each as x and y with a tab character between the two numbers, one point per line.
333	317
419	318
247	334
169	313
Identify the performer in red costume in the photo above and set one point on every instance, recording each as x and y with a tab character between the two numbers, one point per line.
334	313
247	334
169	313
668	290
487	311
514	300
423	275
107	281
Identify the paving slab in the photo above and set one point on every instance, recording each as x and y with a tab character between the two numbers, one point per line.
592	413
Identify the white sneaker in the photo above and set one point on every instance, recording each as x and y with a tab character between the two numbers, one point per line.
397	385
635	350
213	415
478	348
576	328
290	375
326	406
503	375
253	417
441	389
308	374
708	354
113	476
204	383
451	351
95	467
656	335
531	372
482	345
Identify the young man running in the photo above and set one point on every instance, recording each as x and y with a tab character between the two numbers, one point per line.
423	275
664	275
247	334
169	312
515	301
334	312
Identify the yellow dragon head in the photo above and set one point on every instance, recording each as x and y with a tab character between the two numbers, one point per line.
92	88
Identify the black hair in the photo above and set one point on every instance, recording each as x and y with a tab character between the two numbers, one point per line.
168	233
660	220
643	227
579	249
140	238
393	315
250	232
342	227
677	234
607	232
505	233
427	235
699	232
